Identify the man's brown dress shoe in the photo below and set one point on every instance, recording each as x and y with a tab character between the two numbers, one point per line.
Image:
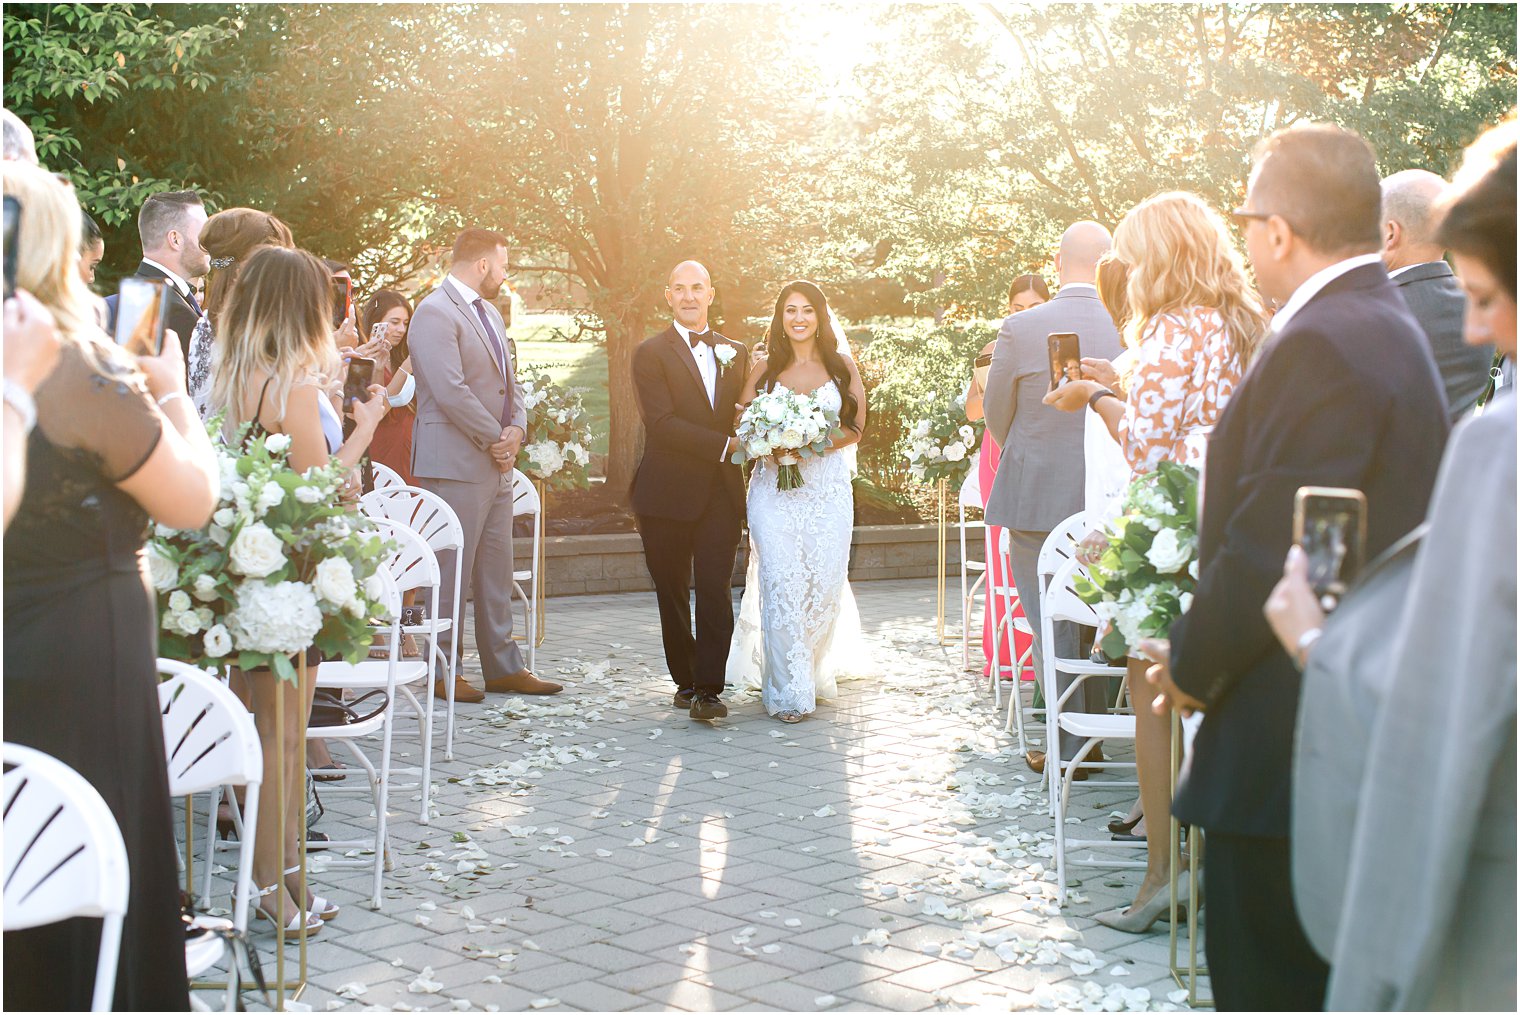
683	699
521	682
707	706
1036	762
463	692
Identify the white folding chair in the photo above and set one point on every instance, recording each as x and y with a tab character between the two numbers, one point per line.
1002	597
212	743
368	674
430	516
386	478
970	496
525	502
1060	603
64	856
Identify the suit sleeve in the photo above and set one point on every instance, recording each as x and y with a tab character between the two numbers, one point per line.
1319	426
435	361
1001	399
514	383
666	430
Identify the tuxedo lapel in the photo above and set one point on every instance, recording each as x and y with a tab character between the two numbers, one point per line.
681	351
473	319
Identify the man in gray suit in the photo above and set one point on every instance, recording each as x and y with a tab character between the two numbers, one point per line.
471	421
1040	476
1414	262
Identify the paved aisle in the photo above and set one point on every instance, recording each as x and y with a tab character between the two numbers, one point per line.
600	851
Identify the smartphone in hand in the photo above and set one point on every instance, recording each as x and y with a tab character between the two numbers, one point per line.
981	369
361	374
1330	526
142	315
342	299
1065	358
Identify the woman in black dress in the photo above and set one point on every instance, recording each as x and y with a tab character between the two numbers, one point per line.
117	443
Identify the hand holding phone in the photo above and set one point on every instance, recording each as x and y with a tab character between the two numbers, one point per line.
342	301
1065	358
361	374
981	369
1330	526
142	314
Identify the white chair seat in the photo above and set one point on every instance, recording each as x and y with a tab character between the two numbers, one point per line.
1079	666
443	624
976	565
369	673
1088	725
204	952
1021	625
358	729
522	576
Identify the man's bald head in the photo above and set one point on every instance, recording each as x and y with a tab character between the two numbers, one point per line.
1082	245
1409	220
688	267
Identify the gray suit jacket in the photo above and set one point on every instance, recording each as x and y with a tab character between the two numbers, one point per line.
1437	302
1040	476
459	389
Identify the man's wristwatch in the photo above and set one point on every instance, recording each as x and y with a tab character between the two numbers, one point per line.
1306	642
1101	393
19	399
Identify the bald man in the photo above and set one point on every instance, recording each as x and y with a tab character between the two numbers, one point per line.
687	495
1040	478
1414	262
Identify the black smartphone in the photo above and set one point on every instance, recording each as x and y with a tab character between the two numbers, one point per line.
1330	526
342	299
1065	358
361	374
12	229
142	314
981	369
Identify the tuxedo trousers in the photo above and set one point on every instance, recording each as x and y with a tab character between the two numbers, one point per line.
676	552
1259	957
484	508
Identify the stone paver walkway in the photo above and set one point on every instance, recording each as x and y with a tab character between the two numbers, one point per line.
600	851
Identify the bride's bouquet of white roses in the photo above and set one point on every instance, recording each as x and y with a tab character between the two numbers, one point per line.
1146	577
281	567
786	425
941	445
559	433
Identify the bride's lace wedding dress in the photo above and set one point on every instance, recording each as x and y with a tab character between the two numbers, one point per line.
798	631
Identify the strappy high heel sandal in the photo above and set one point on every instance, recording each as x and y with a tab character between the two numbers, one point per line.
789	717
293	928
325	909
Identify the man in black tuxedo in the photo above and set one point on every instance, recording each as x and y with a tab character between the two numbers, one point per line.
1344	393
688	498
169	226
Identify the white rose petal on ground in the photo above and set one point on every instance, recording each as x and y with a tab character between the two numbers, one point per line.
424	983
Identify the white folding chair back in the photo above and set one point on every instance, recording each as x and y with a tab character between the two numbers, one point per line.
1061	545
525	501
1002	597
430	516
212	741
64	856
1061	603
971	496
386	478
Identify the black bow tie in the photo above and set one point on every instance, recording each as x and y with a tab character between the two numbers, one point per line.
694	339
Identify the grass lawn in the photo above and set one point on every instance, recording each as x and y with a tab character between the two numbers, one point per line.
580	364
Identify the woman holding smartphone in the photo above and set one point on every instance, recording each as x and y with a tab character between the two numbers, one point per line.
384	319
1025	292
115	445
277	371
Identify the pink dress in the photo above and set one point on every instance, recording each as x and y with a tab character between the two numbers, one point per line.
986	464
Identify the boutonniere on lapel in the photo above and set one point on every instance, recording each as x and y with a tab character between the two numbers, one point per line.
725	354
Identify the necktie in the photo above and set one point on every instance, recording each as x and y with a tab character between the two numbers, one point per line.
189	295
500	355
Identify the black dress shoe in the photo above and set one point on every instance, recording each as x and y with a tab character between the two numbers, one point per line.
683	699
708	706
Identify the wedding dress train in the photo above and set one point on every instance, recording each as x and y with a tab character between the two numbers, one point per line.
798	631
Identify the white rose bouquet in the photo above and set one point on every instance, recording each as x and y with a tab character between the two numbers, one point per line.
941	445
786	425
1147	576
281	567
559	434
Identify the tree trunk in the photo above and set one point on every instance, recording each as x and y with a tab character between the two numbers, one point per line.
625	442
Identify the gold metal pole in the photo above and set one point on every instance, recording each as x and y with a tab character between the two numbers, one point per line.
538	565
941	514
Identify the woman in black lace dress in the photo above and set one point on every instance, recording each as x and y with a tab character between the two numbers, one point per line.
116	445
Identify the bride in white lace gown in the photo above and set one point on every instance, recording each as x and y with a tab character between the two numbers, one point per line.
798	631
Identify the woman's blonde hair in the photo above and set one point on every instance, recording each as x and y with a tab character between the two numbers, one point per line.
47	245
1181	256
277	324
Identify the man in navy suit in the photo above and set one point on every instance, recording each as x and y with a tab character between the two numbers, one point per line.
1344	393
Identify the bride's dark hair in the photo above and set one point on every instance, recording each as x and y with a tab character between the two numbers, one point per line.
779	354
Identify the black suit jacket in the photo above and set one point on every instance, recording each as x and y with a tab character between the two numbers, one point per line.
684	434
1437	303
182	316
1345	395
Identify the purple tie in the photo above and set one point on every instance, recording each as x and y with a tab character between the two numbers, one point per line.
501	358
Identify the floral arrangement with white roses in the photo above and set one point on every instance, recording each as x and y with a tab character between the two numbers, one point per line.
1147	575
559	434
788	426
281	567
941	444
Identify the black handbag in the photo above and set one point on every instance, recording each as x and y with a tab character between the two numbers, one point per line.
327	709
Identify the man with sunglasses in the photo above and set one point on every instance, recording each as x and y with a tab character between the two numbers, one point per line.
1344	393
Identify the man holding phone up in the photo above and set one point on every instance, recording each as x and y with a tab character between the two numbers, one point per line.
471	421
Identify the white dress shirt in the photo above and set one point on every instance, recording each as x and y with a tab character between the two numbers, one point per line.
1314	283
706	359
180	284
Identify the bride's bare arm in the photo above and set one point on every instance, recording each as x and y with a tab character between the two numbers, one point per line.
851	435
